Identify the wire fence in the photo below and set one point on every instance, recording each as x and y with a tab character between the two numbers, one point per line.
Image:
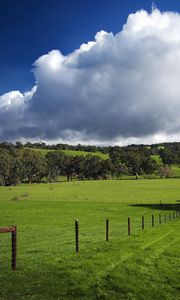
27	246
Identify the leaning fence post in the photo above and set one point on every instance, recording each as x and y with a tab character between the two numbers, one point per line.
14	248
159	219
129	226
152	220
107	230
77	235
142	222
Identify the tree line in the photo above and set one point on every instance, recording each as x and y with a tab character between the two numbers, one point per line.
154	149
19	163
27	165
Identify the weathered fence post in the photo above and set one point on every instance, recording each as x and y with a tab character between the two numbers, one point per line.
174	215
14	248
169	217
142	222
77	235
152	220
107	230
129	226
160	219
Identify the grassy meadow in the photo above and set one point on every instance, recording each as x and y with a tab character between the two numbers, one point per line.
142	266
71	152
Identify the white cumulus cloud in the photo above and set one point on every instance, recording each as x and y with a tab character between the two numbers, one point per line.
122	87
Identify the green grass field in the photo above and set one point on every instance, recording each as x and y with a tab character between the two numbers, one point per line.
142	266
157	159
72	152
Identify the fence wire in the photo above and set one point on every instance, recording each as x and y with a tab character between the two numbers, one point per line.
39	245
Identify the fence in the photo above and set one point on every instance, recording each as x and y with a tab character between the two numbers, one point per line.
13	231
33	243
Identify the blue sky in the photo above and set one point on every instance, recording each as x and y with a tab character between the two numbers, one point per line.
31	28
92	71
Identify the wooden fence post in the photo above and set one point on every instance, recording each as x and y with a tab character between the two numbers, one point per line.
152	220
77	235
14	248
107	230
142	222
129	226
169	217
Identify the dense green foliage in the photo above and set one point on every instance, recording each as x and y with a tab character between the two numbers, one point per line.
133	159
21	164
46	163
143	266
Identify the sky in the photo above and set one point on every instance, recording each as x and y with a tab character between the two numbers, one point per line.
92	72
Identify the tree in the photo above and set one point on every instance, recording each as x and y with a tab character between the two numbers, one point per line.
165	171
68	167
168	157
55	164
106	168
34	165
79	165
4	167
92	167
19	145
134	163
149	165
16	170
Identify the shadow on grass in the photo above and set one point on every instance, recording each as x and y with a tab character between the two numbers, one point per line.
160	206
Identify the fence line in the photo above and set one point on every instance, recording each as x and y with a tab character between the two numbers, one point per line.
82	235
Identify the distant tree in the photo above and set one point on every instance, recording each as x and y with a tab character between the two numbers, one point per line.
55	164
149	165
134	163
68	167
106	168
92	167
165	171
34	165
120	169
4	167
116	154
168	157
19	145
16	170
78	166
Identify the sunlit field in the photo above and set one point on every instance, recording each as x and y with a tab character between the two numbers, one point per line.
144	265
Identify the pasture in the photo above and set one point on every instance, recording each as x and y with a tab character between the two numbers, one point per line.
144	265
71	152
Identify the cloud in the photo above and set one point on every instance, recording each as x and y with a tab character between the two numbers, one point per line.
122	87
